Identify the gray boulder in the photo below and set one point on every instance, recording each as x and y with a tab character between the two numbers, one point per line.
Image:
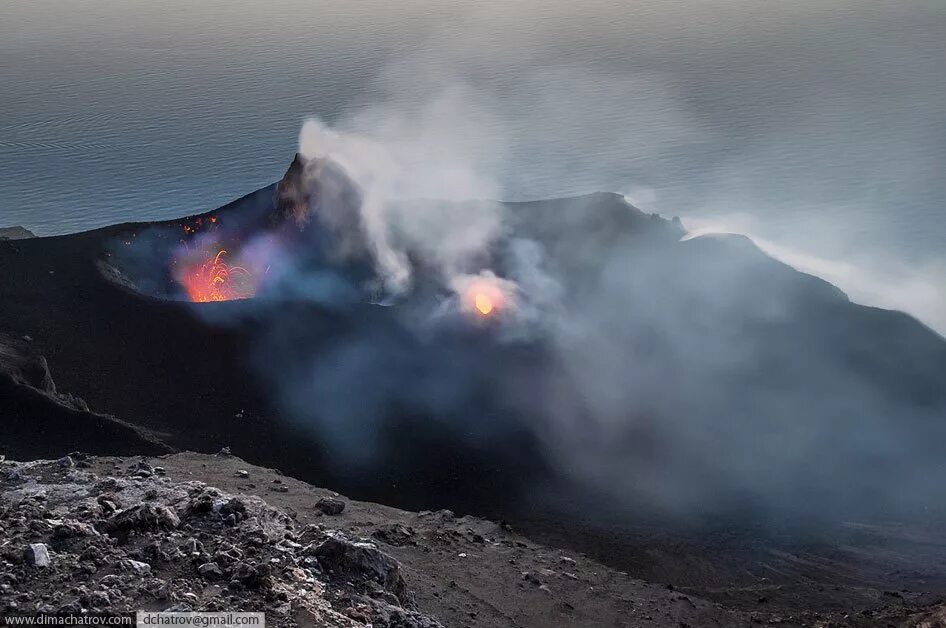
141	518
210	571
356	560
37	555
330	506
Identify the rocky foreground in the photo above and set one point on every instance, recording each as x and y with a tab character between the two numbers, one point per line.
77	541
109	534
106	534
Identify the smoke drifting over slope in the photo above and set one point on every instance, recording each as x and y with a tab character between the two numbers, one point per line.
669	375
869	279
561	130
683	375
407	168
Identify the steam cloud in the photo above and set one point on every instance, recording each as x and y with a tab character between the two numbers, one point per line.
416	157
655	370
644	370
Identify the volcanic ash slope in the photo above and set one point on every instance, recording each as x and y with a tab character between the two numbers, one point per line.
113	534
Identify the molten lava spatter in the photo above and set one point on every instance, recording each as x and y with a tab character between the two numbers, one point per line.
215	280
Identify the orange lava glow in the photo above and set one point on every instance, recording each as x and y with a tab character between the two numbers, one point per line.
483	304
484	298
215	280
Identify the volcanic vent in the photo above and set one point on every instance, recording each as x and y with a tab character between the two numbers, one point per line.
224	255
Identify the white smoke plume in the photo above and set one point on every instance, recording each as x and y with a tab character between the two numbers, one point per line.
402	164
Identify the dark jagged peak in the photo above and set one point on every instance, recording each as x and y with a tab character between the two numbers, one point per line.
317	187
292	194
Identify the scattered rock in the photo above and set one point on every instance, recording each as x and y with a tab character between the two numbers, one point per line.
70	529
210	570
136	566
243	473
330	506
108	506
395	534
345	557
187	546
531	576
234	510
37	555
142	469
145	517
251	576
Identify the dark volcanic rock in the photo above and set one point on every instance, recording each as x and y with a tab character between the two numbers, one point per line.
251	575
40	419
394	534
330	506
72	529
141	519
210	570
37	555
292	197
244	552
349	558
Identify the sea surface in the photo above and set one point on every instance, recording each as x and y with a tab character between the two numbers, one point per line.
817	126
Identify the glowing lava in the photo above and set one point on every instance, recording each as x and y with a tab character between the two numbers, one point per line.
215	280
484	296
483	304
